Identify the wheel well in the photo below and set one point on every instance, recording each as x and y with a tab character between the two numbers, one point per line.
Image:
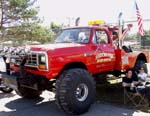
73	65
141	57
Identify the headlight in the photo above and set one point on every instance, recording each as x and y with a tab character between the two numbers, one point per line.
13	60
27	50
42	59
42	62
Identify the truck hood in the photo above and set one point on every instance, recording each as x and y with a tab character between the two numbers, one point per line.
47	47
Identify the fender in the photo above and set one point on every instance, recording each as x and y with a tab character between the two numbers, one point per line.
128	60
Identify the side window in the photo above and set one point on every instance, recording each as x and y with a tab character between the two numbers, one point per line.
94	40
101	37
84	36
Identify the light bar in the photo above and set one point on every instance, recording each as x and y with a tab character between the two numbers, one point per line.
96	22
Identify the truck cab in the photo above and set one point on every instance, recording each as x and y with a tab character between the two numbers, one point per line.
90	46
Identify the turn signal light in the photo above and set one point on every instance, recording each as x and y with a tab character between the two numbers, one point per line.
42	67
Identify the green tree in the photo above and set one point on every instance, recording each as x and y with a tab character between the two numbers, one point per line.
144	40
17	16
55	28
35	32
41	33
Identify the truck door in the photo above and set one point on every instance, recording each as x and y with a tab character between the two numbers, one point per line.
104	51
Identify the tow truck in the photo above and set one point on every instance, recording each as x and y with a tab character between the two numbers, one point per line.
68	65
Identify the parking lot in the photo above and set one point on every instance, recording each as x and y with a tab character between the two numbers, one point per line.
13	105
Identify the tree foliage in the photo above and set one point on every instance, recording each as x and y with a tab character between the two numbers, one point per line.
41	33
35	32
14	12
55	27
17	17
136	36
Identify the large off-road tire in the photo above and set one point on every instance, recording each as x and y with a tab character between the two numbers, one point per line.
75	91
6	90
28	93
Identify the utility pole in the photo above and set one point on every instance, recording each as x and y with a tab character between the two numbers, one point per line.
120	30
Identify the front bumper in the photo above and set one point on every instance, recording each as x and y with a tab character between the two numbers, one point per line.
9	81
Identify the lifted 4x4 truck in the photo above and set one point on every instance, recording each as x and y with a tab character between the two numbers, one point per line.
67	66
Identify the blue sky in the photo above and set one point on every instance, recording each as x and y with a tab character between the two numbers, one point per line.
60	11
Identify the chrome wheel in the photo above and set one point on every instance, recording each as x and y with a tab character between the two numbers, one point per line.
82	92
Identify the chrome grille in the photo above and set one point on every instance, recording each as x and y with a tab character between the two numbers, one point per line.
32	59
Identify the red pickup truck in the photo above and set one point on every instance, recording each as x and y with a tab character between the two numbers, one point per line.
67	66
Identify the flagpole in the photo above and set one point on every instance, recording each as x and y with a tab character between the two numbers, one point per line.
120	30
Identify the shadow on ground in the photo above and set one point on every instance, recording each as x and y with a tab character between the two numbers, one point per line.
6	95
30	107
24	107
109	102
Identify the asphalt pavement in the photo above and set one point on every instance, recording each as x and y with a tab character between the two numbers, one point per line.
13	105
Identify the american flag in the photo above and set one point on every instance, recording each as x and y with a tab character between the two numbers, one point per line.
139	20
126	31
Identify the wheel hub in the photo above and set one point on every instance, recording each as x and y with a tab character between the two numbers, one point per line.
82	92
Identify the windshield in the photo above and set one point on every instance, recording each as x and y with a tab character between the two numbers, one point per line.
81	35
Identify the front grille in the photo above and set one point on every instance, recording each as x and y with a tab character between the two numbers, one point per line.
32	59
